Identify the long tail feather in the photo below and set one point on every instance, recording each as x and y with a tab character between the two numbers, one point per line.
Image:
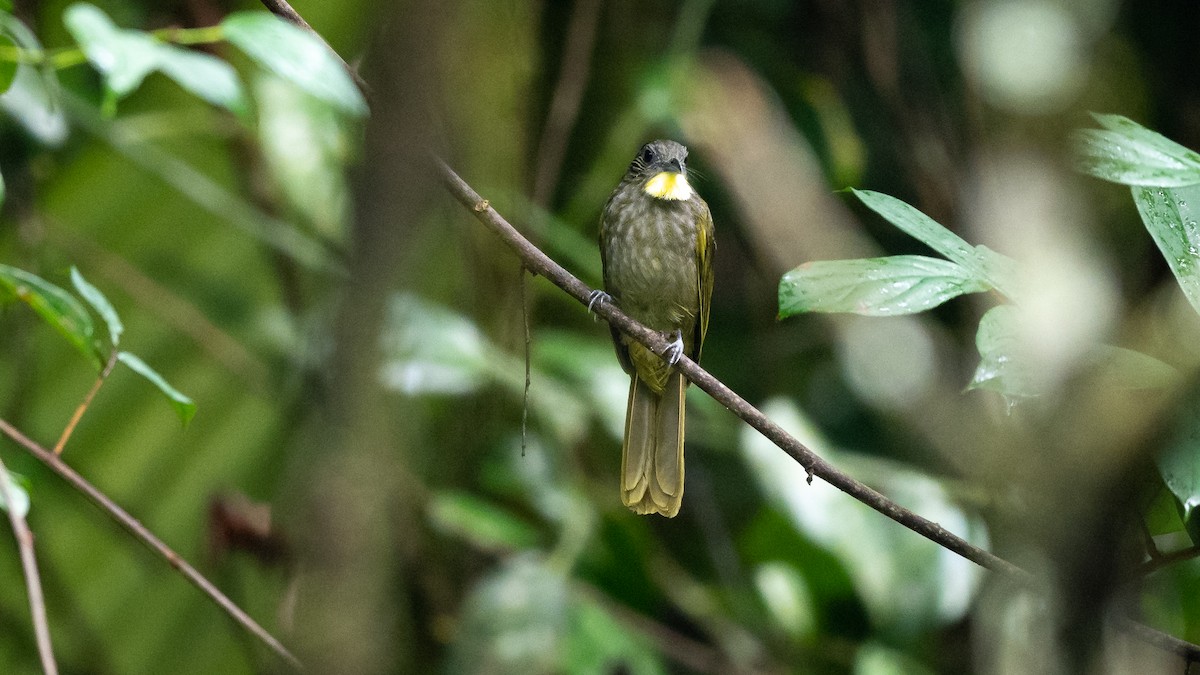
652	454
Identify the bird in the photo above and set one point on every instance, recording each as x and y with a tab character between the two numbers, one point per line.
657	248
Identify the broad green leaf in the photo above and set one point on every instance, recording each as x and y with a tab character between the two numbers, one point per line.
8	69
478	521
101	304
205	76
903	284
306	145
184	407
34	99
1126	152
878	556
1170	215
295	55
1001	366
1130	369
785	594
513	620
1164	513
432	349
125	57
1179	465
17	489
983	263
56	307
596	640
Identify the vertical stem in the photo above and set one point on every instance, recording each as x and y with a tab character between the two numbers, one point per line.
33	581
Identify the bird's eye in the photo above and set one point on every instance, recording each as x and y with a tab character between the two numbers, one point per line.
647	155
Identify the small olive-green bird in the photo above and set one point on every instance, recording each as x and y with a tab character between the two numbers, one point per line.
656	242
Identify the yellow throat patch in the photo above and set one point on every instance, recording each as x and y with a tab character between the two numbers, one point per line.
668	185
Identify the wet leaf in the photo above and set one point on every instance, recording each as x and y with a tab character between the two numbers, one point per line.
905	284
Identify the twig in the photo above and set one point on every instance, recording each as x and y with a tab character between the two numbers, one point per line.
564	102
539	263
87	401
528	342
33	581
1160	560
283	10
139	531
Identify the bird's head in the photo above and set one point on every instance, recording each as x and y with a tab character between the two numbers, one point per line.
661	169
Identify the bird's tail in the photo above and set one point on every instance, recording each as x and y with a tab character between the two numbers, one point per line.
652	454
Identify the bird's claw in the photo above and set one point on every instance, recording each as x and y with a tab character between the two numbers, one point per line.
674	350
597	296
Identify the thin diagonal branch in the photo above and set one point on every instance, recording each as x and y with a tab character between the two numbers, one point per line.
83	406
568	94
140	532
539	263
283	10
33	581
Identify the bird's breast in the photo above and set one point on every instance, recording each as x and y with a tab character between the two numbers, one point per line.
650	259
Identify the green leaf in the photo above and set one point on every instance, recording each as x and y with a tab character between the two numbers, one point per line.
878	556
1001	366
35	98
1163	514
20	494
185	408
903	284
480	522
1170	215
595	641
295	55
1126	152
8	69
1179	465
56	307
205	76
1130	369
101	304
125	57
513	620
982	262
306	145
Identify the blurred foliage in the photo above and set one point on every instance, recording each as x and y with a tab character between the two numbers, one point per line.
201	183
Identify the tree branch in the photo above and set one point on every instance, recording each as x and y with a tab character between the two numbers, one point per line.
539	263
33	581
140	532
283	10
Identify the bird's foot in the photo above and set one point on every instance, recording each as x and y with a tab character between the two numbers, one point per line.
597	297
675	349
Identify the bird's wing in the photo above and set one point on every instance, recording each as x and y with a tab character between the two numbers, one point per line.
706	248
